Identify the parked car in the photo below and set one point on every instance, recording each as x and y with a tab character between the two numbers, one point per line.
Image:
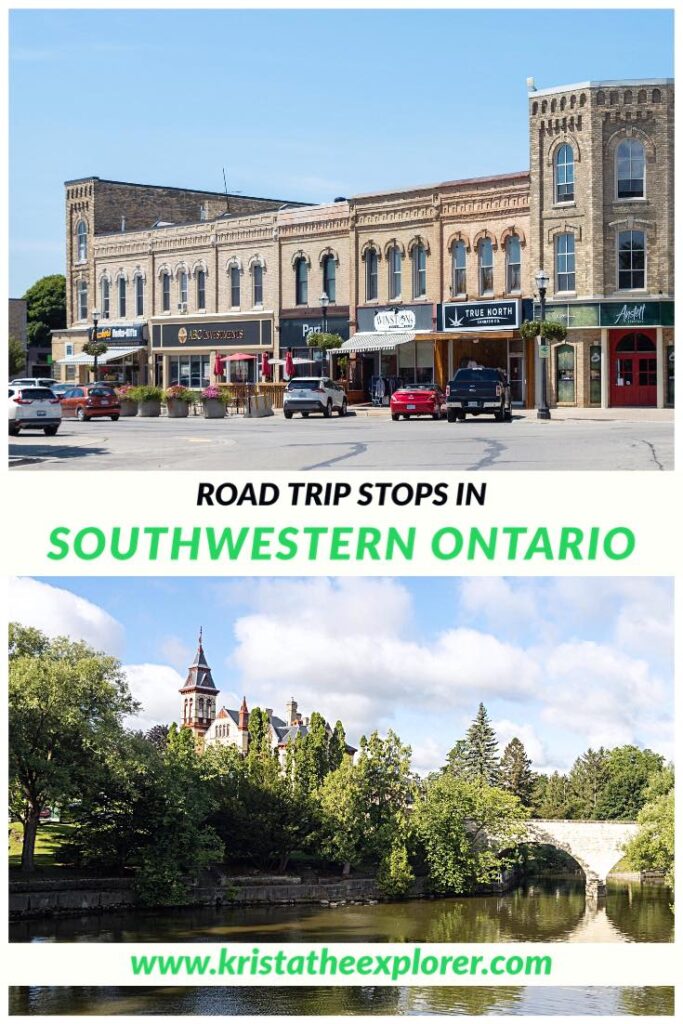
478	390
86	401
314	394
33	408
33	382
60	389
417	400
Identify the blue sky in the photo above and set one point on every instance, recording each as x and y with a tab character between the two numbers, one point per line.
562	663
299	104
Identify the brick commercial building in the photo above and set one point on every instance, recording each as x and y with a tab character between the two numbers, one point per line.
416	282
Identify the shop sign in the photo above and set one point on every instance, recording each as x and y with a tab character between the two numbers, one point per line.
121	334
481	316
212	335
417	317
293	333
544	351
579	315
631	314
608	314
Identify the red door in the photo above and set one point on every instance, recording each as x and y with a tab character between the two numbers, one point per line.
633	368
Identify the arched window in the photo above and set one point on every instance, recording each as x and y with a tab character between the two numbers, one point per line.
139	295
190	709
182	288
122	296
257	283
185	710
201	289
82	240
395	265
234	286
330	277
631	260
566	389
166	292
459	269
564	174
82	293
301	281
200	707
485	266
630	170
513	257
104	297
565	263
419	271
371	279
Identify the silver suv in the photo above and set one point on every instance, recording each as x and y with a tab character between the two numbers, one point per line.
314	394
33	408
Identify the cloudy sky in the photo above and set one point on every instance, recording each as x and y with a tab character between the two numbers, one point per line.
296	104
561	663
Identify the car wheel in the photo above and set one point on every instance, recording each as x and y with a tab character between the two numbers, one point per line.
462	415
288	415
451	415
80	415
343	408
13	431
327	411
508	415
395	417
305	415
114	418
51	431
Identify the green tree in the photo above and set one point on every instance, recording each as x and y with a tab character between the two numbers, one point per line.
337	748
464	827
66	704
388	789
629	770
45	308
17	357
395	875
516	775
653	846
586	782
456	761
158	736
481	752
551	797
342	808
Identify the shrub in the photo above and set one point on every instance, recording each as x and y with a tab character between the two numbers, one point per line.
180	393
146	393
125	391
395	875
549	330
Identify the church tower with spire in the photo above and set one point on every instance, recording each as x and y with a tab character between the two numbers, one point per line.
198	694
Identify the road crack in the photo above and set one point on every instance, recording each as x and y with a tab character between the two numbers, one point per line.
653	452
356	448
492	451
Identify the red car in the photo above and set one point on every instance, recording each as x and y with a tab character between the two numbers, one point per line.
417	400
86	401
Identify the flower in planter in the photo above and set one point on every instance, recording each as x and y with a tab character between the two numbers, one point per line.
180	393
211	392
124	391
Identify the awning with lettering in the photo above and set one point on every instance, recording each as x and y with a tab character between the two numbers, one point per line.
110	356
376	341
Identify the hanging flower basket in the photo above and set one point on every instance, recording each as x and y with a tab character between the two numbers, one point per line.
549	330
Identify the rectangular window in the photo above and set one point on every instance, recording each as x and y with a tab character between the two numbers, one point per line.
565	263
190	371
631	260
371	276
166	292
395	273
82	301
139	296
419	272
201	289
69	348
459	269
122	296
330	278
105	298
234	287
258	284
182	288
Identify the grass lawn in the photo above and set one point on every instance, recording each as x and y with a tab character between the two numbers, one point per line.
48	841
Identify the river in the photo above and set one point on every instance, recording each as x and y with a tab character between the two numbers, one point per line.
538	911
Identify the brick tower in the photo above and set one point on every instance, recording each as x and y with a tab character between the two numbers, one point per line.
199	695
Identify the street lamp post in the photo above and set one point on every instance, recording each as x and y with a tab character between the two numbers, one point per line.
324	301
543	412
95	318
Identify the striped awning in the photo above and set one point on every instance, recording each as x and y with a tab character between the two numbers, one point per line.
376	341
110	356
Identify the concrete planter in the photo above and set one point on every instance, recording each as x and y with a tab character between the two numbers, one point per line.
128	407
214	409
150	407
177	408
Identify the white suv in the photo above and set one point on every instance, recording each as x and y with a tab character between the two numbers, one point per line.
32	408
314	394
33	382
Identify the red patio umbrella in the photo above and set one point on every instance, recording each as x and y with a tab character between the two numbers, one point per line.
265	365
218	366
240	356
289	365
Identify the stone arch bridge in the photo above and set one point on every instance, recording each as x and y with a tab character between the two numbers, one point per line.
596	846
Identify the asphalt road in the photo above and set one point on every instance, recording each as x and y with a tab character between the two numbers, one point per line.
363	441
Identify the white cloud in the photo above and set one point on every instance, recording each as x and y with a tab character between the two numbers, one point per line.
156	688
507	730
58	612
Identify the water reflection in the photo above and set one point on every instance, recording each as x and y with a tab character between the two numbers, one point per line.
508	1001
542	911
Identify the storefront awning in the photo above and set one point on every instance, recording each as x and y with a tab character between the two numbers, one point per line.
375	341
110	356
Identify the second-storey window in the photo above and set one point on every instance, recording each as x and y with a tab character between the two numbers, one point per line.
630	170
459	269
513	256
166	292
122	296
139	295
82	300
486	267
419	271
330	277
395	265
82	240
104	296
631	259
371	282
201	289
301	281
564	174
182	287
234	286
565	263
257	279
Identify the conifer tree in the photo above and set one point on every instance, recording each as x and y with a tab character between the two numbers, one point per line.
456	761
516	775
481	754
337	747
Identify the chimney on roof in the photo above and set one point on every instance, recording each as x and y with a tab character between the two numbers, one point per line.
292	711
269	713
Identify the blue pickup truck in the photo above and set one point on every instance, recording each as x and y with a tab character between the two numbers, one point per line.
478	391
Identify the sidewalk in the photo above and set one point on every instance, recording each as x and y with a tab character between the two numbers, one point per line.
562	415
